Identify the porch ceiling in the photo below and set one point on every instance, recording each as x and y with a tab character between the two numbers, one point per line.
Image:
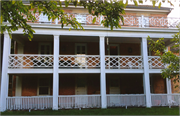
21	38
96	39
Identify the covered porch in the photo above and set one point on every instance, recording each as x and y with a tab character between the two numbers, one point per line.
79	52
34	91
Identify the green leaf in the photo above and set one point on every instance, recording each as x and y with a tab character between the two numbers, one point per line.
154	3
135	3
94	20
126	3
141	1
159	5
13	1
69	29
66	3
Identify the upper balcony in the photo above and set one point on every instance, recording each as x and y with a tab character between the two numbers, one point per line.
129	20
80	52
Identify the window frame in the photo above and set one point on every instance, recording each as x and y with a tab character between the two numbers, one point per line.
43	86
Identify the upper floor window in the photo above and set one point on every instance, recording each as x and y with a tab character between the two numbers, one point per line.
45	48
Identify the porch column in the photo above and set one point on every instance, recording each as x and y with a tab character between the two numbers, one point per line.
55	73
146	80
168	85
103	74
5	76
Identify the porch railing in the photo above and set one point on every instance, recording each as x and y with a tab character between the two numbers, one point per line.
120	100
129	20
30	61
30	102
79	101
82	61
123	62
79	61
155	62
165	99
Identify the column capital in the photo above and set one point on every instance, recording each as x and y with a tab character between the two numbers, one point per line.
101	36
144	39
56	34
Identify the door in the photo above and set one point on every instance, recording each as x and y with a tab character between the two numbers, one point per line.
81	87
44	61
81	51
114	89
113	49
80	91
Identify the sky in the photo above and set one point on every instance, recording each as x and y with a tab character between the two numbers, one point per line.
174	13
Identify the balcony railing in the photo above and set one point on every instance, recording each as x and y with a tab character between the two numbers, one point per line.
115	100
29	102
155	62
123	62
165	99
79	101
129	20
79	61
29	61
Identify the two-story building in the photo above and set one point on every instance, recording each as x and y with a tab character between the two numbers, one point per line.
94	68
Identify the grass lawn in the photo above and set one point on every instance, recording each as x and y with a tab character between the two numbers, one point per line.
109	111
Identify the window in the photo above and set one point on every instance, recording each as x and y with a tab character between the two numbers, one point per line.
44	86
45	48
81	49
44	19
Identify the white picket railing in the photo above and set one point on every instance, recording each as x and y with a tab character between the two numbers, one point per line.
29	102
120	100
79	61
30	61
165	99
155	62
123	62
79	101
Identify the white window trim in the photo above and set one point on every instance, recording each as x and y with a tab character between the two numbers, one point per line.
43	86
50	47
80	44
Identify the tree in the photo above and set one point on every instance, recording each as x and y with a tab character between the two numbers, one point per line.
169	58
14	12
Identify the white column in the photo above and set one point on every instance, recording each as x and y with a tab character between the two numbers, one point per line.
0	65
5	76
55	73
103	74
146	80
168	84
